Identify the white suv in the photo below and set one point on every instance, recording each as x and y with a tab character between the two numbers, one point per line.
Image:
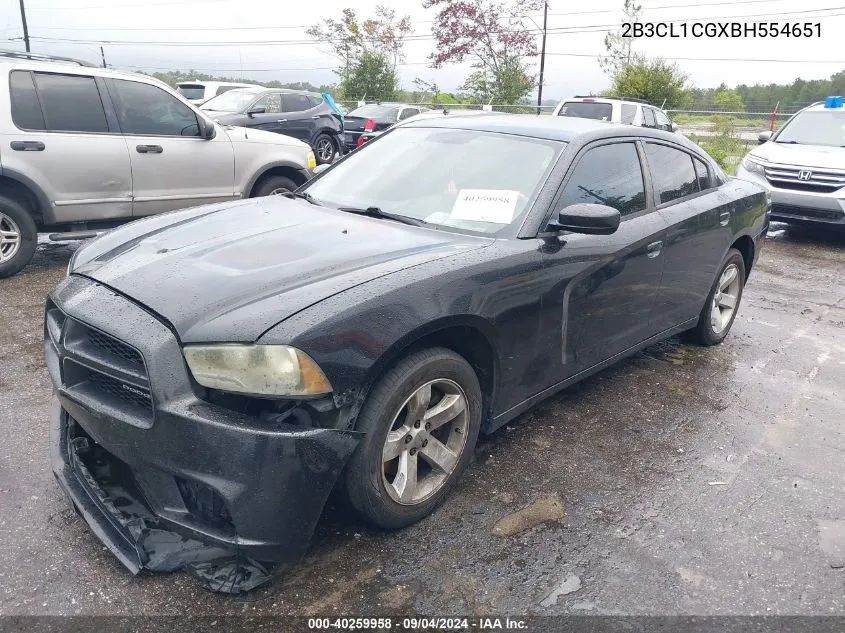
628	111
86	148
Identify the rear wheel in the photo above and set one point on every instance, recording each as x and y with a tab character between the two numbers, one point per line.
722	303
421	423
324	149
274	186
18	237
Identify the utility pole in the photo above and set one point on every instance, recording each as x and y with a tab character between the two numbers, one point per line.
25	30
103	55
542	56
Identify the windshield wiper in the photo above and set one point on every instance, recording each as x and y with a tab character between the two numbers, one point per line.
302	195
789	142
375	212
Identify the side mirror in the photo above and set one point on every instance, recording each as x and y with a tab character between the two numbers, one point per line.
762	137
256	110
592	219
207	130
673	126
319	169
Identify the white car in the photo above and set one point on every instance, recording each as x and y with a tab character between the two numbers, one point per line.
198	92
802	165
615	110
84	148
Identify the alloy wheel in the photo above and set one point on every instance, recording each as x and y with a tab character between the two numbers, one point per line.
426	440
10	238
325	150
725	299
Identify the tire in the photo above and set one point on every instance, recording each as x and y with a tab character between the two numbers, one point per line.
325	149
706	331
369	481
15	221
274	185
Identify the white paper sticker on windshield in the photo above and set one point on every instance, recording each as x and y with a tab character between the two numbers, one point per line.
485	205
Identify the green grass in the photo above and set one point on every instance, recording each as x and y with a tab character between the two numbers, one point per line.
725	149
740	121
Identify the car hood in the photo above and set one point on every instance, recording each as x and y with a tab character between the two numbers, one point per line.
249	135
801	155
228	273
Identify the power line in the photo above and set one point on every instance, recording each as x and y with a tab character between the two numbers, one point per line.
594	28
721	59
305	26
127	6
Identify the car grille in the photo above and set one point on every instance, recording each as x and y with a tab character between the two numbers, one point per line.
99	370
818	181
112	346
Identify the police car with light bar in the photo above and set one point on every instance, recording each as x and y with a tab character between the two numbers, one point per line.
802	165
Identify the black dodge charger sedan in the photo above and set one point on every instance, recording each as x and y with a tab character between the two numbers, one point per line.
220	370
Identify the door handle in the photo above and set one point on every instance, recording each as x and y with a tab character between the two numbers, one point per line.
724	218
149	149
281	120
315	116
27	146
654	249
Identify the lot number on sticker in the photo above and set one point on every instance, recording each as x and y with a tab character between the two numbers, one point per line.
485	205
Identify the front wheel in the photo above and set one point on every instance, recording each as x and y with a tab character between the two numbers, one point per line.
274	186
722	303
421	423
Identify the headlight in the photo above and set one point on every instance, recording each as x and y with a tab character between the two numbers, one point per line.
752	165
312	161
266	370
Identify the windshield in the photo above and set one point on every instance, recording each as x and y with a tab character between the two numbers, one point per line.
474	181
191	91
376	111
231	100
587	110
817	127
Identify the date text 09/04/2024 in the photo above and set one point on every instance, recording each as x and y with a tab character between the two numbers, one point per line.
721	29
417	623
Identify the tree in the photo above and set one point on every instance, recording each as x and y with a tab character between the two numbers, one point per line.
494	35
358	43
653	80
620	49
371	76
728	100
508	85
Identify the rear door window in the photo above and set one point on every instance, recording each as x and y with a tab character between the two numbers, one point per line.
71	103
295	103
587	110
648	118
672	171
609	175
26	111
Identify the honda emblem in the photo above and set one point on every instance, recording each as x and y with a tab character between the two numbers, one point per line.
805	175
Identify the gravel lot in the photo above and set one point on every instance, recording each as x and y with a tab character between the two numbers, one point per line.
691	481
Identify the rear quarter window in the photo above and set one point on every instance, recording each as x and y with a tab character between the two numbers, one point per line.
26	111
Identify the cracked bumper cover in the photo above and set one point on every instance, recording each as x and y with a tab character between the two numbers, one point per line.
273	483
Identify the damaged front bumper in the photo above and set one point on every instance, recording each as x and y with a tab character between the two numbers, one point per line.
166	480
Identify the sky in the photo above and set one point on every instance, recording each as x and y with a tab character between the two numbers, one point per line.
266	40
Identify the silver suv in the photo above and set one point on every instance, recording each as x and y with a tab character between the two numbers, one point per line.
85	148
802	165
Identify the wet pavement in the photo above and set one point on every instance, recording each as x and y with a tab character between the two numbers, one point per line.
682	481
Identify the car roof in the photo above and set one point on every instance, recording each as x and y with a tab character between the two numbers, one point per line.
556	128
